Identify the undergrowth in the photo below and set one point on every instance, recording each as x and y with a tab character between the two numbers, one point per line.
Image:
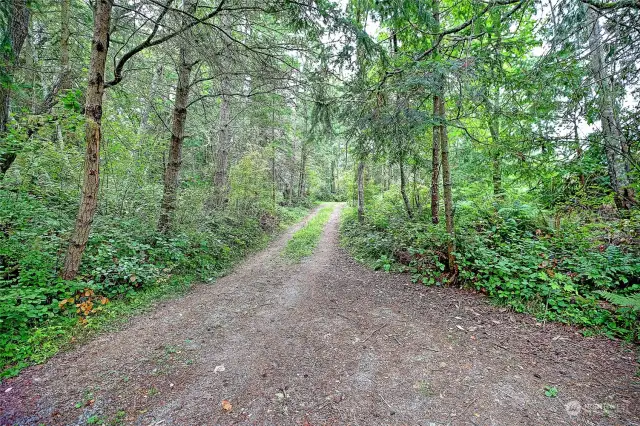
127	265
304	241
585	272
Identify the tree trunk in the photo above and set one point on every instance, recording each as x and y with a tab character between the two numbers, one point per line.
403	190
614	143
435	174
18	24
221	175
274	187
288	193
437	128
361	191
179	118
389	177
579	153
333	176
416	192
446	186
65	67
93	136
274	182
303	171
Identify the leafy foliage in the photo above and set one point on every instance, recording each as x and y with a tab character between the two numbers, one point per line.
38	310
514	257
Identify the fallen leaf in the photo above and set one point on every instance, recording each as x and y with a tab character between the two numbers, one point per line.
226	405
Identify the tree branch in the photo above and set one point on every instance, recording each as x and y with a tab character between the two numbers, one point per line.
613	5
150	42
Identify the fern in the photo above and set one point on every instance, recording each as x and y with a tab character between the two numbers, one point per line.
632	301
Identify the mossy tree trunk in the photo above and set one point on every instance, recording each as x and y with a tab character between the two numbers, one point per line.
178	122
18	28
93	138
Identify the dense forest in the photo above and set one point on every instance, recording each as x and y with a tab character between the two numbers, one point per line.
149	144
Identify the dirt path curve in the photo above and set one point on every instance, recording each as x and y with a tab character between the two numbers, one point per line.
329	342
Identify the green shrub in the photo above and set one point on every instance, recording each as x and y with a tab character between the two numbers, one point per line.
513	256
124	258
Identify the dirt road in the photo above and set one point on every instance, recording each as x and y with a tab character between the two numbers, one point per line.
329	342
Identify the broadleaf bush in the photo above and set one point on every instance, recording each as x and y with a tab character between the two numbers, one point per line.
123	258
513	256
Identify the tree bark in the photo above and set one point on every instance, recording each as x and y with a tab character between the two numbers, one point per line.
494	131
221	175
435	161
179	118
389	176
403	189
448	197
360	179
579	153
493	105
333	177
93	136
614	143
65	68
437	114
274	182
303	171
18	24
416	192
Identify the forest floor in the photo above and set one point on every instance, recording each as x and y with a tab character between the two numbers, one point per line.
329	342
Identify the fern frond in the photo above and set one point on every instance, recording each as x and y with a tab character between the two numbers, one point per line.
632	301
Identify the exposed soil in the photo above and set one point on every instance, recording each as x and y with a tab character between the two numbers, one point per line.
329	342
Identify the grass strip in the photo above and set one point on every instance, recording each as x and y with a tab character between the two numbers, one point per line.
305	240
